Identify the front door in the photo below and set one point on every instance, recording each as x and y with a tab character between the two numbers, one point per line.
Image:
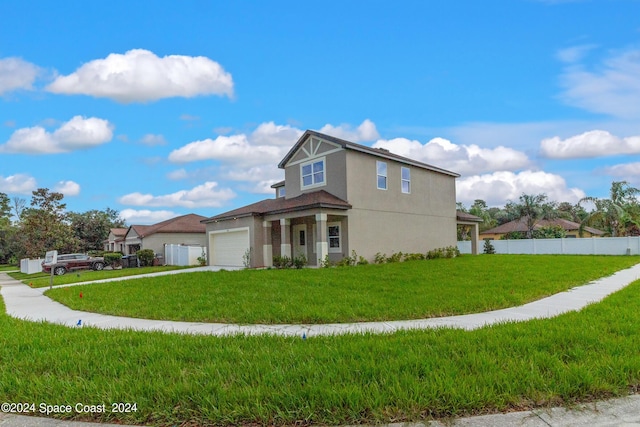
299	240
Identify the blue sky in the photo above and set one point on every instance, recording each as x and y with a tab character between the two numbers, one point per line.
158	108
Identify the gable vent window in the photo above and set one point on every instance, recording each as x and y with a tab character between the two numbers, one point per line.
381	168
312	173
406	180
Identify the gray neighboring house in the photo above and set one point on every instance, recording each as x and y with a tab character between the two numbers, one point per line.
339	197
182	230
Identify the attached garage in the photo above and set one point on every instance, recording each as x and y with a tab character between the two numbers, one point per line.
228	247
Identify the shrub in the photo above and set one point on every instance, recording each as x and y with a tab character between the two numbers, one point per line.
452	251
282	261
146	257
362	260
246	258
414	257
114	259
202	259
395	257
488	247
299	261
326	262
380	258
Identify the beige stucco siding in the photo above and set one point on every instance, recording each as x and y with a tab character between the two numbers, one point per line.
370	232
432	193
389	220
335	174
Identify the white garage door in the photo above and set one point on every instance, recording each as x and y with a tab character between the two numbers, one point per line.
229	247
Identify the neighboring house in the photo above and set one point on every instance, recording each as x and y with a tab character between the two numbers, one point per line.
183	230
339	197
572	229
115	241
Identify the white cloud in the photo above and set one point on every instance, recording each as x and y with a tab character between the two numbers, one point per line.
594	143
18	184
15	73
68	188
613	88
272	134
178	174
234	148
205	195
463	159
141	76
266	145
76	134
499	187
365	132
624	170
252	157
151	140
574	53
145	216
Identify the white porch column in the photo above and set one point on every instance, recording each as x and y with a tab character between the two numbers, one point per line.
474	239
285	237
267	247
322	246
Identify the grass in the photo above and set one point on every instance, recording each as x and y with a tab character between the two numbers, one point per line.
5	267
39	280
352	379
410	290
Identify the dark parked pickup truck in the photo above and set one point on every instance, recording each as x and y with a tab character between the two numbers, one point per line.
71	262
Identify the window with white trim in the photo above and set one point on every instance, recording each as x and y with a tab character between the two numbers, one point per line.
381	172
405	180
334	235
312	173
281	192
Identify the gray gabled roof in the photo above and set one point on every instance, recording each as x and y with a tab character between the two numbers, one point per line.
347	145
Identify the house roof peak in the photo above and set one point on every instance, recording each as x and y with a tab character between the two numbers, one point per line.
348	145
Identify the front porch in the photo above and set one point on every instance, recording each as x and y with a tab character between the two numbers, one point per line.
314	236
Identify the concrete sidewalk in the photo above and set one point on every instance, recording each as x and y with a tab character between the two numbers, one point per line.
26	303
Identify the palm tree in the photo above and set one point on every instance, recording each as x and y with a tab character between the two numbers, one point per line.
617	214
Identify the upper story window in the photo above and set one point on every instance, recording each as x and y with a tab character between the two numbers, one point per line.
406	180
281	191
381	170
312	173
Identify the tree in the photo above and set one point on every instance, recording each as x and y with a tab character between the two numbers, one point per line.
92	227
617	215
18	207
5	211
5	228
43	226
480	209
531	209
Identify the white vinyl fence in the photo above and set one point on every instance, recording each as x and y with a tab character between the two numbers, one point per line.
577	246
31	266
183	255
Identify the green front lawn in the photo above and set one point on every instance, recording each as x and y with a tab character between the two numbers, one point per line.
353	379
39	280
5	267
409	290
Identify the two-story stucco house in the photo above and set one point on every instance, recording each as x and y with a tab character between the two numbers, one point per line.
338	196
